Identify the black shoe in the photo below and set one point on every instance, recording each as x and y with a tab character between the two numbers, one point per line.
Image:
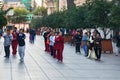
5	56
80	52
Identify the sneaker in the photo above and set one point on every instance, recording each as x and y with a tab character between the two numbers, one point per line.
6	56
21	60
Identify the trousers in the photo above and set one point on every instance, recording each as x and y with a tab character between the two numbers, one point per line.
21	50
7	51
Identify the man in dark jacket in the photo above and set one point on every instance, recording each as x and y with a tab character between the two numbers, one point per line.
118	43
21	42
78	38
97	46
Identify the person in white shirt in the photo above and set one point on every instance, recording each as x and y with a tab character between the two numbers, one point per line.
52	41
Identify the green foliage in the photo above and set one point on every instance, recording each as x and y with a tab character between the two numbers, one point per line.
3	18
20	15
92	14
3	21
20	11
115	16
40	11
98	13
35	23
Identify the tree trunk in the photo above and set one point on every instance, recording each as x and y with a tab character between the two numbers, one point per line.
70	3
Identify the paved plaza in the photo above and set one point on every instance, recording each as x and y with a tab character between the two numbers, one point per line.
39	65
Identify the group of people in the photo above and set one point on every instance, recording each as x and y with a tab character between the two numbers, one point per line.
14	39
54	44
91	44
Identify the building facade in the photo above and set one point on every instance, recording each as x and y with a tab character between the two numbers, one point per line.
13	4
62	5
79	2
1	3
50	5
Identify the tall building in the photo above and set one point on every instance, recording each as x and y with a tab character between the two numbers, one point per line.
1	3
27	4
37	3
6	1
62	5
50	5
12	3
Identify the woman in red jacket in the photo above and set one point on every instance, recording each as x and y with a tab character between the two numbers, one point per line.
60	46
14	41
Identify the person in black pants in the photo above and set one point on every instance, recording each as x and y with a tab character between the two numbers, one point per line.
118	43
97	46
78	38
7	41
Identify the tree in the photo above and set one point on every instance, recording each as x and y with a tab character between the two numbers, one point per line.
81	21
40	11
97	15
114	15
70	3
20	15
20	11
35	23
3	18
70	18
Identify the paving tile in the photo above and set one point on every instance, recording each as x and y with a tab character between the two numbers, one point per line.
39	65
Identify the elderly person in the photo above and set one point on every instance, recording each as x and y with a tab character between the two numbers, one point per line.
7	42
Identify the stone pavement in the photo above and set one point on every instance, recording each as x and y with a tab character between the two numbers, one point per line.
39	65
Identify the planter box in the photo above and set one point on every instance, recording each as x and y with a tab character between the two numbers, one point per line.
107	45
37	32
67	38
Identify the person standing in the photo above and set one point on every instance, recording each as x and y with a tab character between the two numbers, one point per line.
1	32
91	51
7	42
45	39
118	43
88	41
78	38
85	39
32	35
56	46
14	41
97	46
21	42
52	41
60	42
